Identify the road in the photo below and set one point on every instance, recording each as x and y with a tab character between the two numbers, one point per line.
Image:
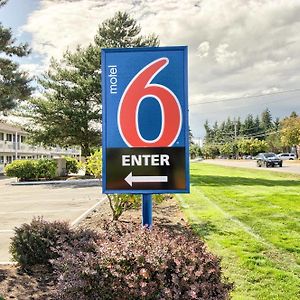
288	166
19	204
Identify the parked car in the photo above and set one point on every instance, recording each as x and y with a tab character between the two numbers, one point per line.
268	160
287	156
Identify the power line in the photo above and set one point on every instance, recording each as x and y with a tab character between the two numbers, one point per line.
246	97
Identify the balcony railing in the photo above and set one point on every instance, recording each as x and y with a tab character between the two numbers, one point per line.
12	147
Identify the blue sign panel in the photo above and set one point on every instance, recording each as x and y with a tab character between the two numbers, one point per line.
145	120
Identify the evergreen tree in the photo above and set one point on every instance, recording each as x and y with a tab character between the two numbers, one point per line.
257	124
238	126
69	112
191	136
249	126
294	114
14	84
277	124
266	120
208	132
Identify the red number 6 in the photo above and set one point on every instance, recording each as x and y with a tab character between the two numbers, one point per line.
140	88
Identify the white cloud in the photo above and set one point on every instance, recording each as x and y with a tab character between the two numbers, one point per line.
224	56
33	69
203	49
236	47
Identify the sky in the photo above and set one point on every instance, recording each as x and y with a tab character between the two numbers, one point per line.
237	48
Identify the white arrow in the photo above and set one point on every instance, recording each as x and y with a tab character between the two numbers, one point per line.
131	179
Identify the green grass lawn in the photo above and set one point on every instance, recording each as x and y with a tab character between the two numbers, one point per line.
250	218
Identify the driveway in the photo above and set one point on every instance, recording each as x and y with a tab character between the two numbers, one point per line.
19	204
288	166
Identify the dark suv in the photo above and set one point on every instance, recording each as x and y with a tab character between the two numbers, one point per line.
268	160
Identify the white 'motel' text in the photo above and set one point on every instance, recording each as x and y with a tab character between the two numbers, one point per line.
113	79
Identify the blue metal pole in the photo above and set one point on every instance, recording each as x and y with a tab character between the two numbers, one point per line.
147	210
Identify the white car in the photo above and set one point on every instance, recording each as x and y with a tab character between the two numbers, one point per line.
287	156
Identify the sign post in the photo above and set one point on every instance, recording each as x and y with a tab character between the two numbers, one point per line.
145	122
147	210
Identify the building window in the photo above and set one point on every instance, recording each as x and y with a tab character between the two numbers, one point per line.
23	139
1	159
1	136
9	137
8	159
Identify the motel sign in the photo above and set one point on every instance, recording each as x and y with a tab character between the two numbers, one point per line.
145	120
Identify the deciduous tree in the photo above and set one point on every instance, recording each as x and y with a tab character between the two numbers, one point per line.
290	131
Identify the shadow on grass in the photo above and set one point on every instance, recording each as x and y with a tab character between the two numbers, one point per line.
204	229
210	180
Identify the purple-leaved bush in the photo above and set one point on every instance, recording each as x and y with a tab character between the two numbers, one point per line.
40	241
128	262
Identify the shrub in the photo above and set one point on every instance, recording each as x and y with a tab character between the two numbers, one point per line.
122	202
22	169
119	203
133	263
45	168
31	169
40	241
72	165
94	164
34	243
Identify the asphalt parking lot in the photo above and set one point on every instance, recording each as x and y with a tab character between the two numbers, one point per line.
19	204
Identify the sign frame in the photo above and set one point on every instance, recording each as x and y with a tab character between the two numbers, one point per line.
184	125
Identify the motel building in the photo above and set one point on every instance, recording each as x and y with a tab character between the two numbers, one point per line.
13	146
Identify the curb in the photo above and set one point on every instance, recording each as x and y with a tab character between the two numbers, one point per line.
88	212
72	181
8	263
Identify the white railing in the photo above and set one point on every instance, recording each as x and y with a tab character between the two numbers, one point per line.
10	147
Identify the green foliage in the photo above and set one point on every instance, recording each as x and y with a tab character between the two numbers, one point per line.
133	263
266	120
274	143
195	151
69	112
45	168
94	164
31	169
14	84
251	146
119	203
159	198
228	131
32	244
210	150
72	165
22	169
290	131
228	149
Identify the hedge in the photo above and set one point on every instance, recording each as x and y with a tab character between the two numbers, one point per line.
31	169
